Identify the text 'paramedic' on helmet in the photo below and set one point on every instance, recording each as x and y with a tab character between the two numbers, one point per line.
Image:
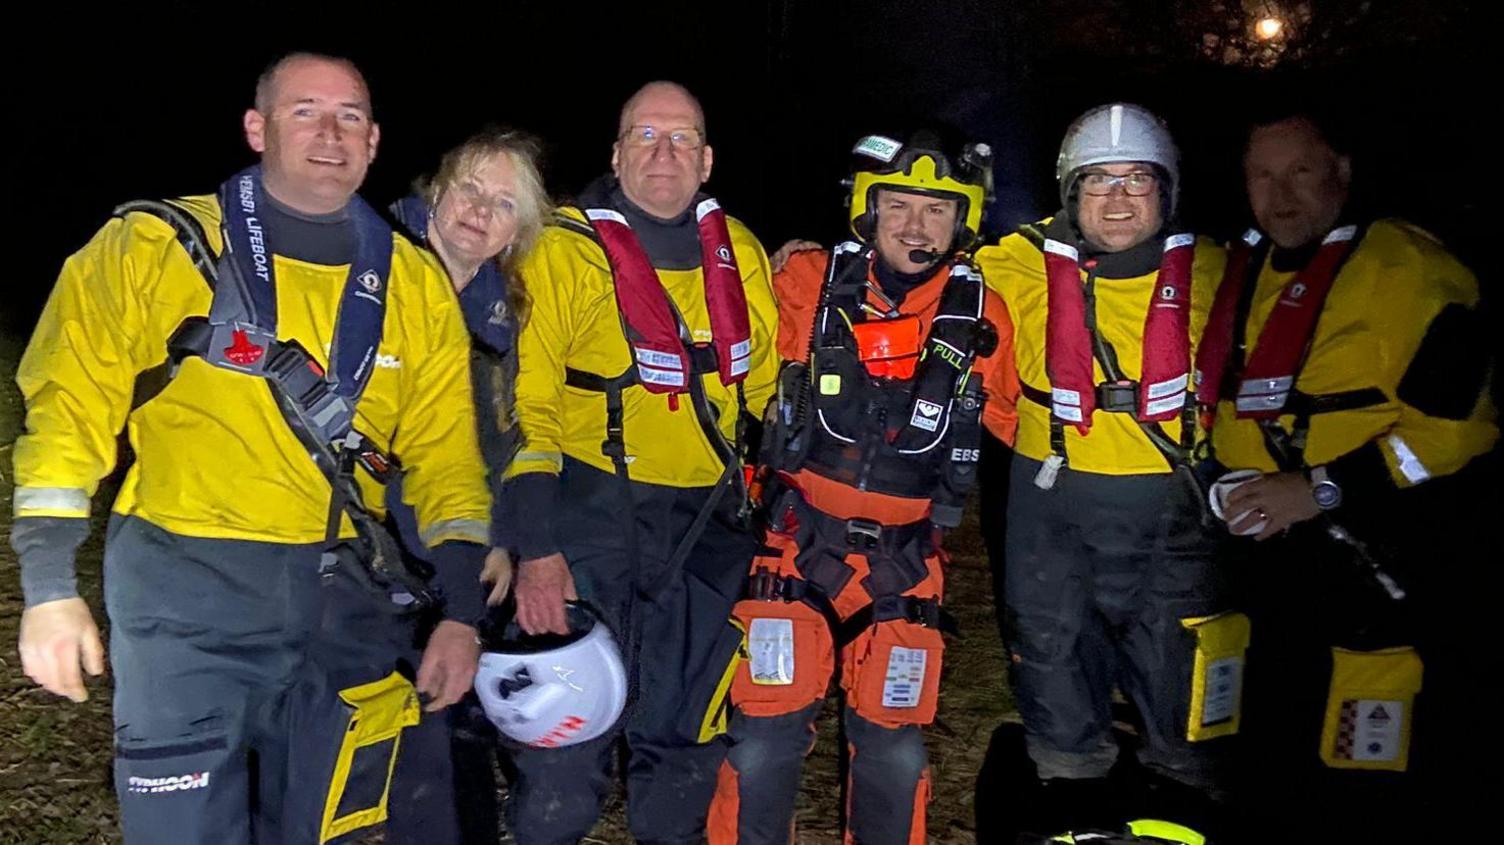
921	167
1114	134
550	690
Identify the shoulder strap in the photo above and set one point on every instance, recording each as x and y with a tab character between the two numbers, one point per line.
844	288
1288	447
189	231
191	237
579	227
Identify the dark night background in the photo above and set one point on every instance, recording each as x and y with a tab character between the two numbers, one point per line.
145	98
110	106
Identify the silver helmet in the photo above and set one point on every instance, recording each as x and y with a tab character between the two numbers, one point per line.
1118	132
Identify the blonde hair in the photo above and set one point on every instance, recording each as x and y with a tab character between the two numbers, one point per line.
533	205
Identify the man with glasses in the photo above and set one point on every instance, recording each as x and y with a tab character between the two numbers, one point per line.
1106	554
652	331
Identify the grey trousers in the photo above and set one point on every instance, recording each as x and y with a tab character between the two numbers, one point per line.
230	659
1100	571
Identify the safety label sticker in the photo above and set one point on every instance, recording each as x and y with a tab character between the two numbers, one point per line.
904	682
1376	729
1224	687
770	644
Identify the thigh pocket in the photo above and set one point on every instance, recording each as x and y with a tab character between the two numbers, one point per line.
790	658
184	789
1369	708
1216	693
373	715
713	650
893	676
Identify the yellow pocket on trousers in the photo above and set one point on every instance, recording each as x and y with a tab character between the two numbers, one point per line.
1216	675
717	715
368	755
1370	707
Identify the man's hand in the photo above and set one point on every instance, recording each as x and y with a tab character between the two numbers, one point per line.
56	637
1282	498
449	663
498	573
543	585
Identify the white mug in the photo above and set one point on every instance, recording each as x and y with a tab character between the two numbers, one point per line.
1217	498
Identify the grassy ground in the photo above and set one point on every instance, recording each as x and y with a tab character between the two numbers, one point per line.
55	756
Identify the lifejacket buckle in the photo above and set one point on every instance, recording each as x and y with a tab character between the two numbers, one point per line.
864	535
615	444
1118	397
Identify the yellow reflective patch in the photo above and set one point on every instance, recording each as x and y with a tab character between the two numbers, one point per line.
830	384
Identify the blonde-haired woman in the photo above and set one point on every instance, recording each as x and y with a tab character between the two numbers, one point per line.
480	214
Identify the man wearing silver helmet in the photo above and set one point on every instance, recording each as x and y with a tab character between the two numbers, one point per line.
1109	570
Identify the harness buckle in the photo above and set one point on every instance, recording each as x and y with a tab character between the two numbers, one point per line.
863	534
760	584
375	463
911	610
925	612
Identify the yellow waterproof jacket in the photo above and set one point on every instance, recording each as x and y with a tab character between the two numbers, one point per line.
575	323
214	456
1385	299
1115	445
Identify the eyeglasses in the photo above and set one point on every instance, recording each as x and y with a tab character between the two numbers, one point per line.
644	136
471	195
1139	183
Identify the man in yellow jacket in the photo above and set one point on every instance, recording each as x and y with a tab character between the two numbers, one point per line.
258	638
1106	551
652	332
1345	362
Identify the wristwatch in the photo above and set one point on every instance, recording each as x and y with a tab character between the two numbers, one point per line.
1324	490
